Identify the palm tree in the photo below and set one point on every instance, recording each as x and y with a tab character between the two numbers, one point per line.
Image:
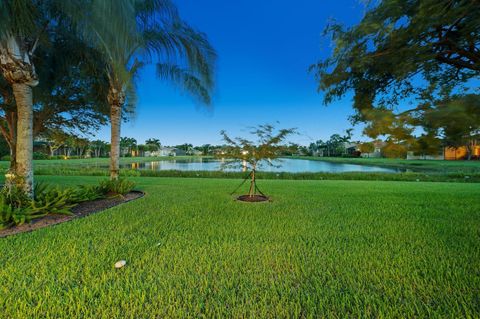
156	34
18	42
26	25
153	144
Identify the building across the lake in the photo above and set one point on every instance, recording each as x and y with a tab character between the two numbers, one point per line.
377	150
459	153
167	151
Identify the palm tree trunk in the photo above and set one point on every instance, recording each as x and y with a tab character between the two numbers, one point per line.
24	158
115	120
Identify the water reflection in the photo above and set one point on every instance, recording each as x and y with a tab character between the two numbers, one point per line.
283	165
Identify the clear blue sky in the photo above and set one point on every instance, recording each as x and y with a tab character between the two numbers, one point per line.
265	48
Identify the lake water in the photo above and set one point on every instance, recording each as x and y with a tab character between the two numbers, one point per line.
283	165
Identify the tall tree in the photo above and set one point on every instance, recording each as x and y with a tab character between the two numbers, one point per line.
26	26
127	145
153	144
55	139
155	34
402	49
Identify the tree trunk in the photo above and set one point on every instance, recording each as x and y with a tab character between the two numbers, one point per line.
115	120
24	158
13	157
252	189
469	148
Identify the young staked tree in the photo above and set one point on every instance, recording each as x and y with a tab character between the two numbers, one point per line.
153	33
269	145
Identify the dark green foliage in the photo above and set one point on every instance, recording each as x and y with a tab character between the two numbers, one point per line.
120	186
85	193
380	58
17	208
15	197
422	50
53	200
11	215
40	156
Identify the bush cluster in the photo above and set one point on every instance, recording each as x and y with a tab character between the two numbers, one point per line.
16	208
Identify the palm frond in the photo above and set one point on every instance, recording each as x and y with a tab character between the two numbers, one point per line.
185	80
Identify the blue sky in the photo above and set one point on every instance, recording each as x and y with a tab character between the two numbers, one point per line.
265	48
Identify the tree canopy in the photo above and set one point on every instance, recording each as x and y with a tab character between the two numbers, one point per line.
402	56
402	48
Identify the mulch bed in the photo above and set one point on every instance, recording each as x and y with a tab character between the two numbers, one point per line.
81	210
253	199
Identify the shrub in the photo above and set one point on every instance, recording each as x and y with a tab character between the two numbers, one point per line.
15	197
11	215
39	156
53	201
17	208
87	193
130	173
5	158
120	186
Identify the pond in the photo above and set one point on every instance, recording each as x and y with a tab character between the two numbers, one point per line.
282	165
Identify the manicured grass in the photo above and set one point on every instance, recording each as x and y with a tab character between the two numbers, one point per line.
102	161
405	176
319	249
472	166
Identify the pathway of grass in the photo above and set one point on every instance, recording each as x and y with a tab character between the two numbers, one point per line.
321	248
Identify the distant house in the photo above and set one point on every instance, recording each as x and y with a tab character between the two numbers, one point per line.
377	150
412	156
460	153
167	151
351	149
178	152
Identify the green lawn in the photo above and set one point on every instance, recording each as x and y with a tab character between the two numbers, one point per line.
102	161
472	166
320	249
